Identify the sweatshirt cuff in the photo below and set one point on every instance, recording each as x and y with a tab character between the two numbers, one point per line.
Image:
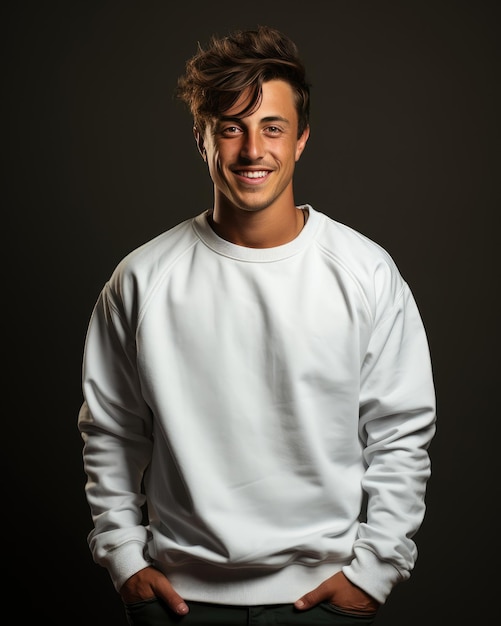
374	576
125	561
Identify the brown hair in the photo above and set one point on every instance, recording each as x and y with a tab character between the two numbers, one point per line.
215	78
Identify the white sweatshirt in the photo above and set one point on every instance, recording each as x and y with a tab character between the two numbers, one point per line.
262	392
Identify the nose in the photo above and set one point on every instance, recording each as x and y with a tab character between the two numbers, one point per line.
252	145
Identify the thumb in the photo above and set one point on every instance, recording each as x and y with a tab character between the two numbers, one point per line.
164	590
312	598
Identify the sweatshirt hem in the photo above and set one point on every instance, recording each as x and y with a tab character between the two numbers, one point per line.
204	583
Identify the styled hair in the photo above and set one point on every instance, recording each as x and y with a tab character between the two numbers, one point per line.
216	76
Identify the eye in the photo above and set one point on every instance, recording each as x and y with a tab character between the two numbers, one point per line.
231	130
273	130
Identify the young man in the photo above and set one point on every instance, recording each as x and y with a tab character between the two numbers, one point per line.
253	376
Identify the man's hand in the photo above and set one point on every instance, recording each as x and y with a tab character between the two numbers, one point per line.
150	583
338	590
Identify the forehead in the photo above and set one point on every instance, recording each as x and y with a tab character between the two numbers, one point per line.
277	99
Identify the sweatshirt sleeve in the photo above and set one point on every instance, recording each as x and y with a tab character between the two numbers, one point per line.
397	423
115	424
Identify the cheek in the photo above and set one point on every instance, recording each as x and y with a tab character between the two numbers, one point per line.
216	169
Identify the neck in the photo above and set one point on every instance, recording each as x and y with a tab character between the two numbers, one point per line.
265	228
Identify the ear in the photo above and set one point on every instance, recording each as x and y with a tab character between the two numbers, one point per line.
301	142
200	142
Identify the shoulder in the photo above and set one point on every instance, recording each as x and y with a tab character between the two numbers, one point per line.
349	245
144	266
361	260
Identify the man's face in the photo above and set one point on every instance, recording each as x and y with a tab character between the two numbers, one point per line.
251	159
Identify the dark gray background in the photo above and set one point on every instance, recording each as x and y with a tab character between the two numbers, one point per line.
99	158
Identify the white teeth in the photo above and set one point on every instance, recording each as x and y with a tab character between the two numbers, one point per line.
253	174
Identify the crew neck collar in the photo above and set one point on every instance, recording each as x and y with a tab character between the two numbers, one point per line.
242	253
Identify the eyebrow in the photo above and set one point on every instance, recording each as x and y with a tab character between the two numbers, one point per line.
264	120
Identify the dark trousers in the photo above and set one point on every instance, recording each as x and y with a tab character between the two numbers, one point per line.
155	613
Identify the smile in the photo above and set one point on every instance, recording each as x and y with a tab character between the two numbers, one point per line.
260	174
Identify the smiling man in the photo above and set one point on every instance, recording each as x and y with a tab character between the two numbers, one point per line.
257	380
251	159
